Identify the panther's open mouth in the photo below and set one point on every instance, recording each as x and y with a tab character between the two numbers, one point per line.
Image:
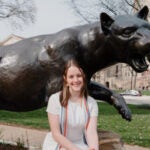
139	64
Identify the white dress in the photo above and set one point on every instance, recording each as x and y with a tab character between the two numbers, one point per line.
77	118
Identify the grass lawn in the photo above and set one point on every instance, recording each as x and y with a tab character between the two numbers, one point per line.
135	132
145	92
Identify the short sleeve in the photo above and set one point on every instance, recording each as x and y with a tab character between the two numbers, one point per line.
93	107
54	106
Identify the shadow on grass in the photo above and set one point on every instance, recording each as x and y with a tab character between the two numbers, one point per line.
144	107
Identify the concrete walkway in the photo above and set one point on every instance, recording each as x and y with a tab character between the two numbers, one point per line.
29	137
33	138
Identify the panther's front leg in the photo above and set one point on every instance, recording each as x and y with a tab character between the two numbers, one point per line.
100	92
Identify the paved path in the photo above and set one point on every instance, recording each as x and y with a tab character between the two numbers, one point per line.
29	137
34	138
137	100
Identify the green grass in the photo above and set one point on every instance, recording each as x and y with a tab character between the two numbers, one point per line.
146	93
135	132
34	119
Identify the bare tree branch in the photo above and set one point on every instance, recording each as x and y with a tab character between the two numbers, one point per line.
78	11
17	12
109	8
114	7
131	4
138	4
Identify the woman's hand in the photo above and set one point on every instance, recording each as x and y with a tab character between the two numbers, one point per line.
62	148
77	149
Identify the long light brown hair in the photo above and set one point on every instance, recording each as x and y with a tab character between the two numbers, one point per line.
65	94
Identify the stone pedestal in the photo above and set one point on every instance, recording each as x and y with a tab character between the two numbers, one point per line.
109	141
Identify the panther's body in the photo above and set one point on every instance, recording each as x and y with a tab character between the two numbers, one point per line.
31	70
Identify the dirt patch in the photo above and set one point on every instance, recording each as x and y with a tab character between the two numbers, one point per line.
11	147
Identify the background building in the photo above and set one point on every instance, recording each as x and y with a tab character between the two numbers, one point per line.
10	40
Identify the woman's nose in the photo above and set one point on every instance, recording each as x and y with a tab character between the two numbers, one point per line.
75	79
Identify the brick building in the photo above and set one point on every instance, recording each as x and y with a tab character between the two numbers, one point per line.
121	76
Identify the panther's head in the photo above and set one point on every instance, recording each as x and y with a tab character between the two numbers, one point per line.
130	37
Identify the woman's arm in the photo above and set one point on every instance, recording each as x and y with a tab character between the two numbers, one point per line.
59	138
91	134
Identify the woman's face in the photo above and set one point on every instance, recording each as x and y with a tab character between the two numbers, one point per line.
74	79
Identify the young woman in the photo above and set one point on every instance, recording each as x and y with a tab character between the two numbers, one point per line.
72	114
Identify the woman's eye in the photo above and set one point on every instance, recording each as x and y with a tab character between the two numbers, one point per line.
79	75
71	77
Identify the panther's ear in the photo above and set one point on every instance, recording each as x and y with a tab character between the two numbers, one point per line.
106	22
143	13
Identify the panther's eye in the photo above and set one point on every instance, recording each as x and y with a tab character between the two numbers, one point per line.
128	32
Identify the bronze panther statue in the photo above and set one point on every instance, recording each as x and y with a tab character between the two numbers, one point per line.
31	69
